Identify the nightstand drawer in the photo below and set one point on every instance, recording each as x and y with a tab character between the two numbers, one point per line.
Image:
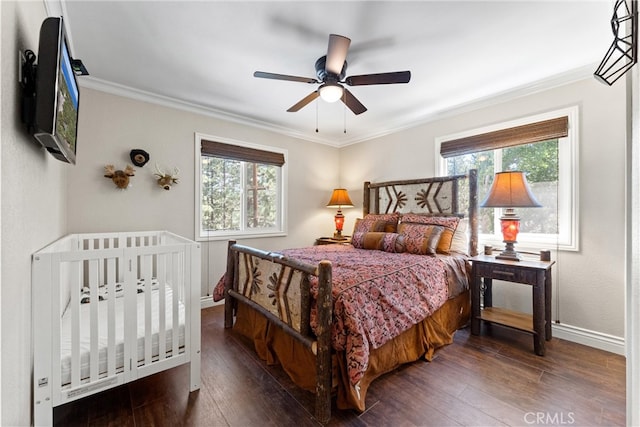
505	272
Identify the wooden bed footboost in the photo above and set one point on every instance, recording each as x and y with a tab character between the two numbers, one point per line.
350	313
110	308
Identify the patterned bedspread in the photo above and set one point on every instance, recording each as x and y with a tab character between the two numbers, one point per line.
378	295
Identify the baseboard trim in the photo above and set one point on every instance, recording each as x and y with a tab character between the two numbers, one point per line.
207	301
589	338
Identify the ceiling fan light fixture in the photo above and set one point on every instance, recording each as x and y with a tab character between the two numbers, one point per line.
330	92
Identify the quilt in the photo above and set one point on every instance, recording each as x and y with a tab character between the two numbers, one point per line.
378	295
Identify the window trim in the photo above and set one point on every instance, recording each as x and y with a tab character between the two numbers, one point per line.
201	236
568	197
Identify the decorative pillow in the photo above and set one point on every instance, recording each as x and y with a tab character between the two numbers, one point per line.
377	222
460	241
450	224
421	239
388	242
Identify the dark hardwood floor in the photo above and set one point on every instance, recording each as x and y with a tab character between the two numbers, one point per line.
488	380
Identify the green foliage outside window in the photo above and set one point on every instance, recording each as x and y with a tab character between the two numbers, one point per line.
262	195
222	195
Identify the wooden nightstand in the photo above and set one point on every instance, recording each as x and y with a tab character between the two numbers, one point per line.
331	240
534	273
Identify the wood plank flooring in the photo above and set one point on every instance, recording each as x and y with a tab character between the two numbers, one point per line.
490	380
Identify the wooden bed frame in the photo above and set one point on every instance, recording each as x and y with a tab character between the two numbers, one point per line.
289	304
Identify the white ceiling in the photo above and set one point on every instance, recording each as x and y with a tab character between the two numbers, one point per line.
202	55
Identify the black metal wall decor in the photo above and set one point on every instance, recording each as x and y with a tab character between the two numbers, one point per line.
623	52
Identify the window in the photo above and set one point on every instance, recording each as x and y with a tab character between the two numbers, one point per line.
240	189
545	148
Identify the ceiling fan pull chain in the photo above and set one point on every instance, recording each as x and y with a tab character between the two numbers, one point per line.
316	116
344	115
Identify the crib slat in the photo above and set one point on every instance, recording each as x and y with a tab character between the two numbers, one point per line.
111	317
94	279
176	271
162	306
75	270
148	333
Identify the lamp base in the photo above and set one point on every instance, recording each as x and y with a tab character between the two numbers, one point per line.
509	256
509	253
338	236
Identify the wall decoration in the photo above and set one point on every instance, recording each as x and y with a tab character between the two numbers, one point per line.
139	157
166	180
119	177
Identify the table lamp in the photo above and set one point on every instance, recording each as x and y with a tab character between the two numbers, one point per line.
339	198
510	190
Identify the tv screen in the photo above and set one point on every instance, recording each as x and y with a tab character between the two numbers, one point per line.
57	95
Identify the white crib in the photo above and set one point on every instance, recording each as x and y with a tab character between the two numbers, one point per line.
110	308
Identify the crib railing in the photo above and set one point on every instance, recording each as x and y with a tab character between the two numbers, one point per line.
112	308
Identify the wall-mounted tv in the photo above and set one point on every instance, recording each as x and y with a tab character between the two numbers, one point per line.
57	98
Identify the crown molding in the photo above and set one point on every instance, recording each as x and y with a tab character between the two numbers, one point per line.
571	76
94	83
487	101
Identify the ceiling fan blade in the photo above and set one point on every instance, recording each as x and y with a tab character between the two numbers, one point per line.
304	101
353	103
379	79
336	53
264	75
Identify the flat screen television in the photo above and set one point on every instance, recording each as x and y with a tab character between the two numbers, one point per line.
57	98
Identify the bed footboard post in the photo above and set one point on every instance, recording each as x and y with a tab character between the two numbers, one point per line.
323	357
228	284
366	198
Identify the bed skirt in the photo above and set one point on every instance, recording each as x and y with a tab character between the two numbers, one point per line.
276	347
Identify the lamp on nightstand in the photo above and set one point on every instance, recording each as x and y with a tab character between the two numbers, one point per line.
339	199
510	190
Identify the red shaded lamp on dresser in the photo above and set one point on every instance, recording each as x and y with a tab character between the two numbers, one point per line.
339	199
510	190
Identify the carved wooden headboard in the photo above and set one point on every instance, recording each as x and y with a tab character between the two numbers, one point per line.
435	196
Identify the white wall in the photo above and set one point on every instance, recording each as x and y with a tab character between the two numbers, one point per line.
586	299
33	212
589	292
113	125
43	199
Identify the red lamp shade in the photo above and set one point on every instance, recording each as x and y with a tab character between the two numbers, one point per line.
510	190
339	198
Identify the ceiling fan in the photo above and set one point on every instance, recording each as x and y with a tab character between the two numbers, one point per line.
330	72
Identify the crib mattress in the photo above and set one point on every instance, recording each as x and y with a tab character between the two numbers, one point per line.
85	337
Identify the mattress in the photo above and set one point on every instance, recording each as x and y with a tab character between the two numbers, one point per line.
85	342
